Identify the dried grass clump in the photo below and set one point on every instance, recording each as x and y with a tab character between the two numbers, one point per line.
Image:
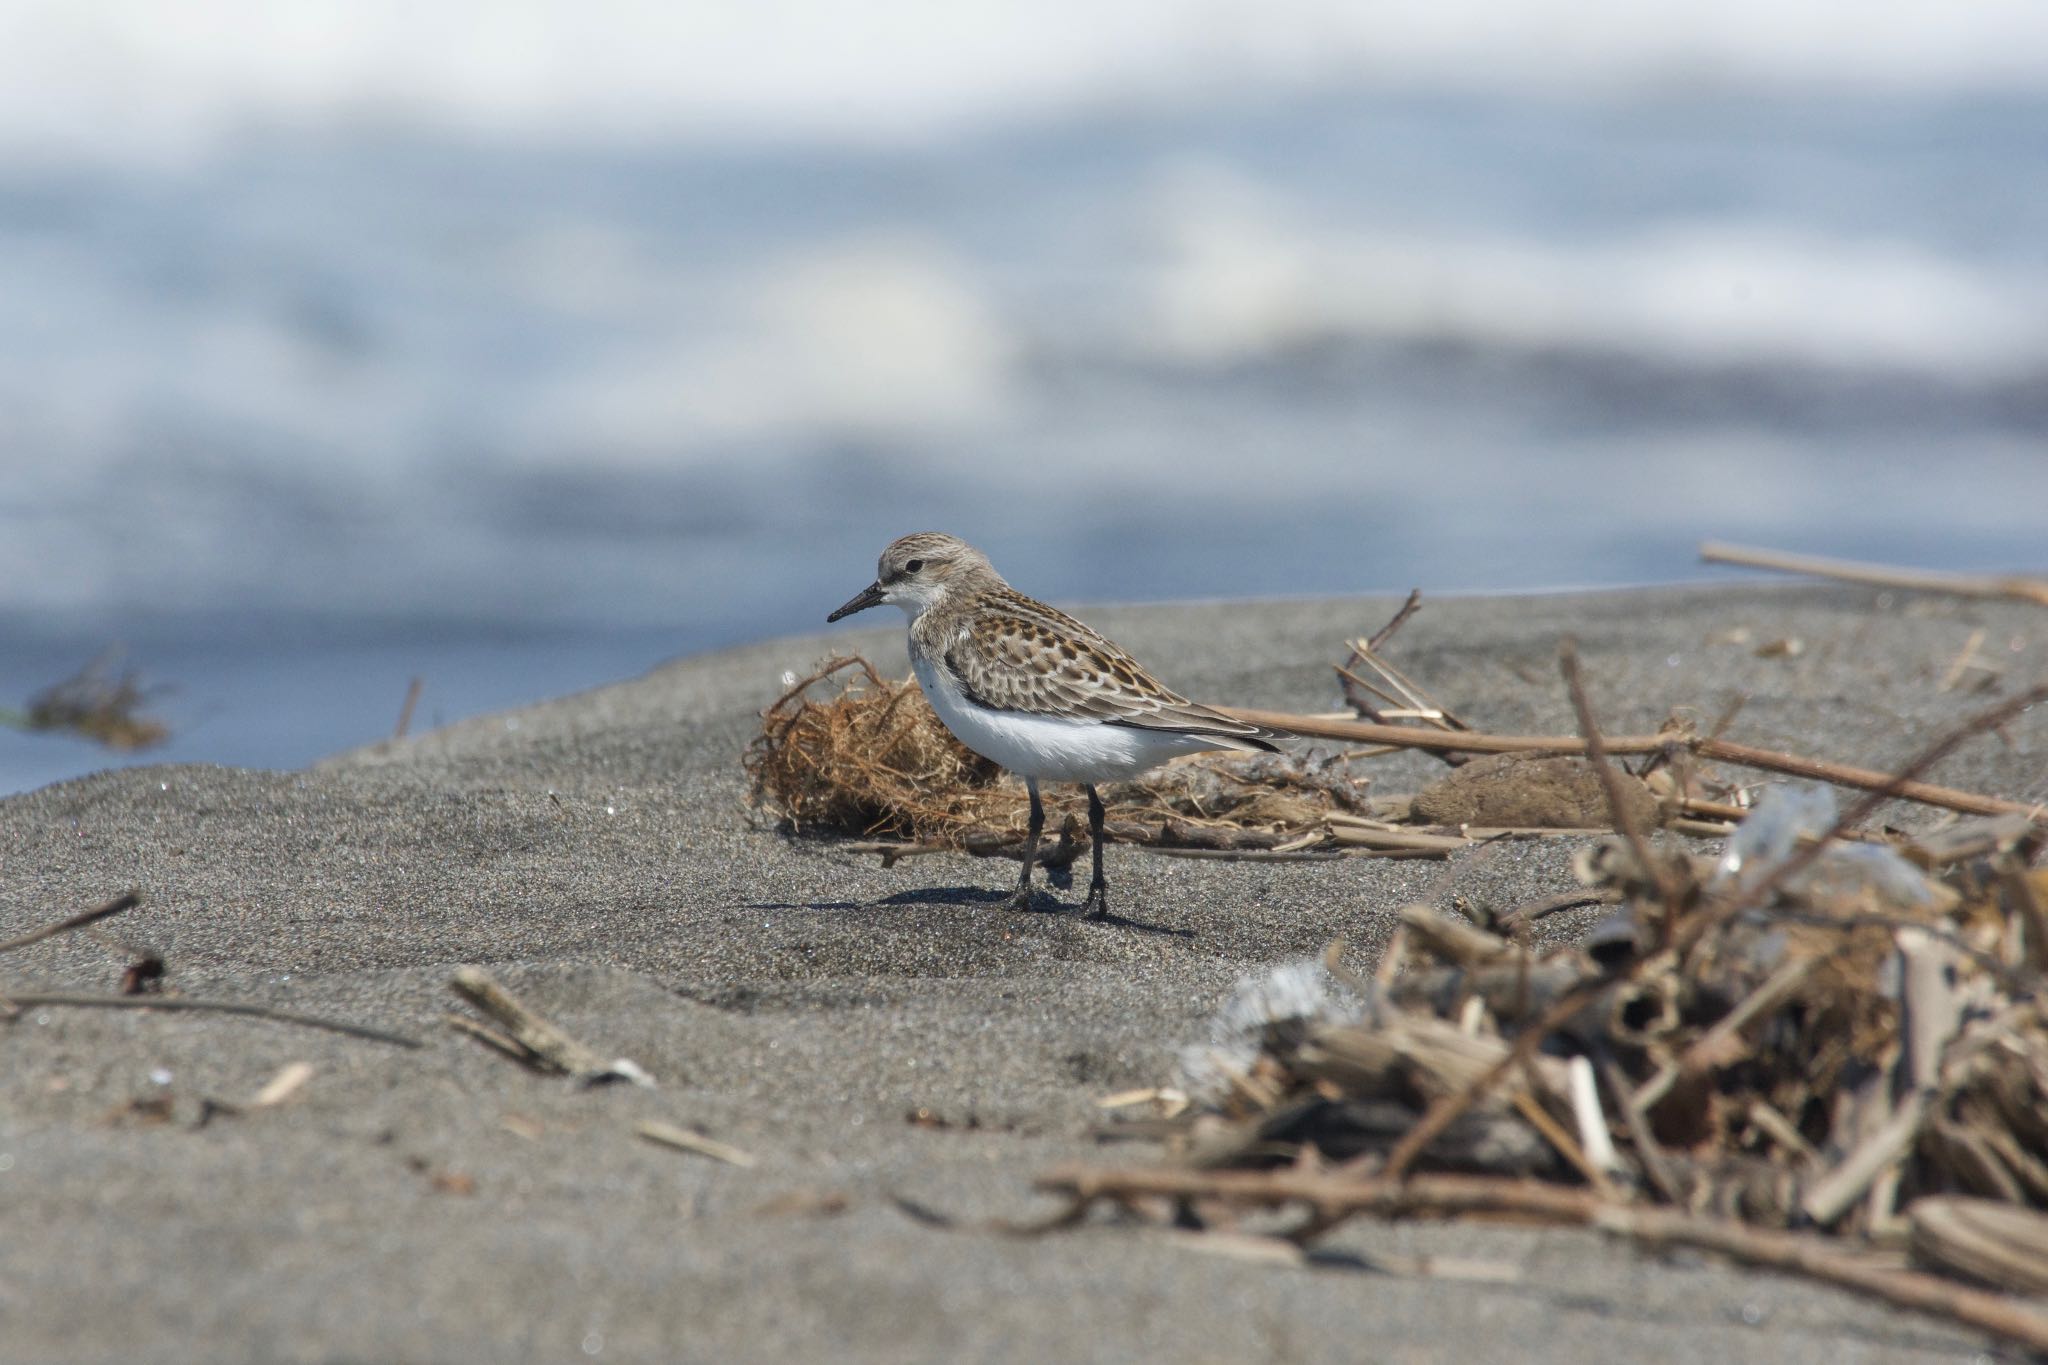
874	759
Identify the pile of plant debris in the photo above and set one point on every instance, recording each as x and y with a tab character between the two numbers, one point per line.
1815	1045
1812	1052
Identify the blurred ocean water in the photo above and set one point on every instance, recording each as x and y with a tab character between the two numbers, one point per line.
336	356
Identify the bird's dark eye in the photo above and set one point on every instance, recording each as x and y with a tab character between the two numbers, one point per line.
913	566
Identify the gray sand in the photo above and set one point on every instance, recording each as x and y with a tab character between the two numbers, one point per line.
445	1204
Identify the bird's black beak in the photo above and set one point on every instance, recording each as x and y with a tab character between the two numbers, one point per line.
870	596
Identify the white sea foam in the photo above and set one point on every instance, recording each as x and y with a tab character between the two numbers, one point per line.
118	77
1242	276
879	336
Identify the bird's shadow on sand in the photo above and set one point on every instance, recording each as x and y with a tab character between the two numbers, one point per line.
1041	904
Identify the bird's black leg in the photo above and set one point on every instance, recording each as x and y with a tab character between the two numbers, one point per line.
1021	898
1097	904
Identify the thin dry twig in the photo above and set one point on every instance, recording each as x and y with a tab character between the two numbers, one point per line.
1294	855
178	1002
1409	607
1403	697
1717	750
1610	781
126	901
1875	780
1330	1200
1551	905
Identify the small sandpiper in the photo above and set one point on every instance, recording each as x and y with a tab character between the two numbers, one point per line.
1032	689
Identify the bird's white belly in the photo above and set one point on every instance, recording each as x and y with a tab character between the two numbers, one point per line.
1049	747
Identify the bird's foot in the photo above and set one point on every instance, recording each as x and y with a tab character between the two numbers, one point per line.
1020	899
1097	904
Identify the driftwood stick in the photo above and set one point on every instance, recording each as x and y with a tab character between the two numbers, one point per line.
548	1047
179	1002
522	1025
1965	659
1513	990
1716	750
1332	1199
2013	587
1780	1130
1932	1009
1813	1258
1416	699
412	699
127	900
1719	811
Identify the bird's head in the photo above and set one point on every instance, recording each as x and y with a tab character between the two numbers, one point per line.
921	570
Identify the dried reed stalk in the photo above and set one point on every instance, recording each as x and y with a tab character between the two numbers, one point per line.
1710	748
2012	587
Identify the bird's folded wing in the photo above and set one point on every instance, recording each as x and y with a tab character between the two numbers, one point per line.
1030	657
